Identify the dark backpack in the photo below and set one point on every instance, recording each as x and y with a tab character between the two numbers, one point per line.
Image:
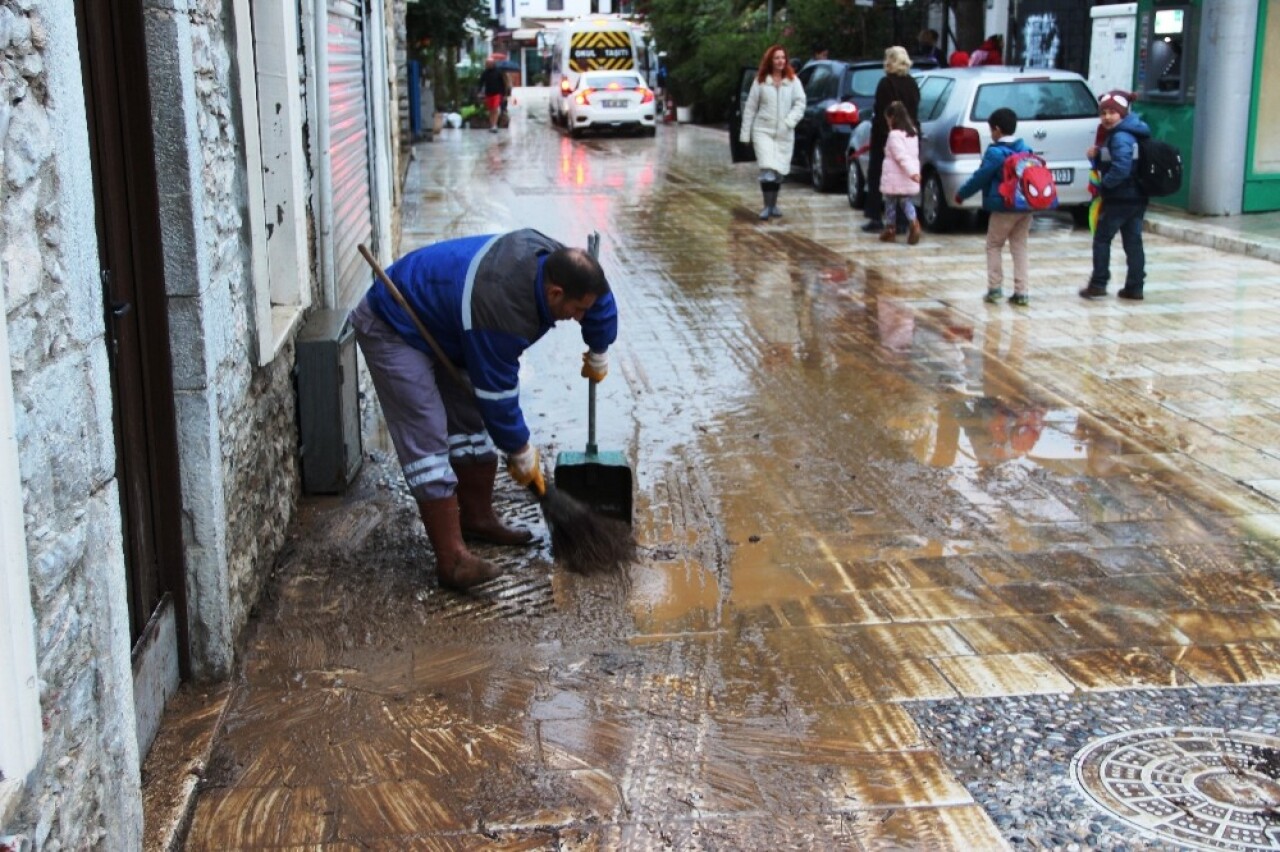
1027	184
1158	168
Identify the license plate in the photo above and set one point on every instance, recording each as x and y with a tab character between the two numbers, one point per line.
613	104
1063	175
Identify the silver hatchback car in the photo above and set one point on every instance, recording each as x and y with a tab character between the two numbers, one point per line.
1057	117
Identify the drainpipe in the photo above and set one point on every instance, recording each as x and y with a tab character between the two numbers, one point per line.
1224	86
324	161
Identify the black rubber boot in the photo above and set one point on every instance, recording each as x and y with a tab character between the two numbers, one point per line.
770	193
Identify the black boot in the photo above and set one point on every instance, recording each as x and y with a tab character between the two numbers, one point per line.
770	193
774	210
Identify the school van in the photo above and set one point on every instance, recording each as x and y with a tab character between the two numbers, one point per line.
598	43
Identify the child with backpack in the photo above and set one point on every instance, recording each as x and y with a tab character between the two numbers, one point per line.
1004	225
1123	203
900	177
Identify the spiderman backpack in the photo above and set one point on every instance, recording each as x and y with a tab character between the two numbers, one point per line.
1027	184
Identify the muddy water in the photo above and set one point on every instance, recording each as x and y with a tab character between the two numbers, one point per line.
857	487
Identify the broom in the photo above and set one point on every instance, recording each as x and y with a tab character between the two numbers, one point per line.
585	541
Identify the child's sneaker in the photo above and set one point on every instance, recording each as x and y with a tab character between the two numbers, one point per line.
993	296
1019	299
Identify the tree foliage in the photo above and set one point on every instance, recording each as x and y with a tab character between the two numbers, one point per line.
707	42
436	31
442	24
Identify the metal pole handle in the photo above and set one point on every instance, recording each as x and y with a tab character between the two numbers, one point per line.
591	418
593	248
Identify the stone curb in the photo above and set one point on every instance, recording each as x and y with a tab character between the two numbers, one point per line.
1206	234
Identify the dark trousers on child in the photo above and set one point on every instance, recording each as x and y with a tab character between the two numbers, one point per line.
1124	217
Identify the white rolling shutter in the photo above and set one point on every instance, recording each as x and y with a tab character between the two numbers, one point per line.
349	123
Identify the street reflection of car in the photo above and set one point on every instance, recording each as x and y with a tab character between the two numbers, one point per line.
1057	117
611	100
838	93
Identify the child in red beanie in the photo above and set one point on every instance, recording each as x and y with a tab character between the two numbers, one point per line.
1123	203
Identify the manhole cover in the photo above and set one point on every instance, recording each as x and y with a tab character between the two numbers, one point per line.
1204	788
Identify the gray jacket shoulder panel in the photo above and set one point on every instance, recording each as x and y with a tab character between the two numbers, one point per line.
503	298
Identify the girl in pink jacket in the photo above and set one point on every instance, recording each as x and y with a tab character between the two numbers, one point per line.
900	178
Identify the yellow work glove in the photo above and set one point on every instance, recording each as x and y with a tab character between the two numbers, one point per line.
595	365
525	467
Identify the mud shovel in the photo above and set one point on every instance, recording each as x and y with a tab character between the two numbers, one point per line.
602	481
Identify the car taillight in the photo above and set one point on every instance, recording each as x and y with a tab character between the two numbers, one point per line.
842	113
964	140
646	95
584	97
565	86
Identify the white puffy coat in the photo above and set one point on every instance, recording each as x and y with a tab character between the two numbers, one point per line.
769	122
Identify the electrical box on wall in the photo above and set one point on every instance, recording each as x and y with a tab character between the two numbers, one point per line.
328	403
1113	47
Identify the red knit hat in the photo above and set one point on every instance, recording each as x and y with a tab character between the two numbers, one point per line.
1116	100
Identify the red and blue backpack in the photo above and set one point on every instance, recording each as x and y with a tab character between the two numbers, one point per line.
1027	184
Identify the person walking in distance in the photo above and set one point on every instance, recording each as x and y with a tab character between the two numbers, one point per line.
900	178
484	300
774	107
897	84
1123	204
1003	225
493	84
928	46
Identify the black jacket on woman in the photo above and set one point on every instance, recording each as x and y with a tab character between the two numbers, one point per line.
893	87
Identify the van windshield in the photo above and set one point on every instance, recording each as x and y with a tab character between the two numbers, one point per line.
1036	100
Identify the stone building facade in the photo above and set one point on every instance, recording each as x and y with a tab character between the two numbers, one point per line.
133	548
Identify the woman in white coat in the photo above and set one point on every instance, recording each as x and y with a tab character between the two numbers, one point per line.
774	108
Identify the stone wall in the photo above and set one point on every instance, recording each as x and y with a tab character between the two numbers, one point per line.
62	393
236	421
254	405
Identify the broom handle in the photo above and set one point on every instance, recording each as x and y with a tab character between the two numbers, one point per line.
591	418
408	309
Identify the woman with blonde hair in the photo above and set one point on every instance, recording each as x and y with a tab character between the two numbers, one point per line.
774	107
897	84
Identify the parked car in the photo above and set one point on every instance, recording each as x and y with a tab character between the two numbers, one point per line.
610	100
838	93
1057	117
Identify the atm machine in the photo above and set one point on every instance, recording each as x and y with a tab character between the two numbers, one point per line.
1165	76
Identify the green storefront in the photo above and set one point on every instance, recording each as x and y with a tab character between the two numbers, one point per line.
1230	148
1262	169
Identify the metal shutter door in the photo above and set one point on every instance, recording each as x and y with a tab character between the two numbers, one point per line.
348	149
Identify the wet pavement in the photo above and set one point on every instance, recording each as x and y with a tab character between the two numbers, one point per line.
905	557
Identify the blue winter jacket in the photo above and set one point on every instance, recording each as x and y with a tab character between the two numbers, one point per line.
990	172
482	300
1116	168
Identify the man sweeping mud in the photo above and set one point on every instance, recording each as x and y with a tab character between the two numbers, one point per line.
483	301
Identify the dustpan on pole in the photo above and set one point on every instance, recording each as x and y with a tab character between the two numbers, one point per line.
600	480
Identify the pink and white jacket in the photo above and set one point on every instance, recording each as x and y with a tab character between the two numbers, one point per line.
901	161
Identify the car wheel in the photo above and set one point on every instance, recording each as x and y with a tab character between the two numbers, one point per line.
651	132
1080	216
818	170
935	214
574	132
857	187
